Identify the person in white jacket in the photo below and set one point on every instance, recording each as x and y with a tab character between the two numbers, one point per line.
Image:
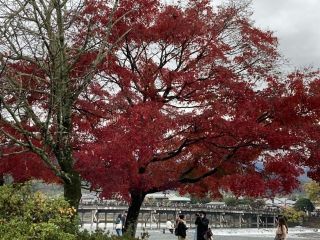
119	225
170	226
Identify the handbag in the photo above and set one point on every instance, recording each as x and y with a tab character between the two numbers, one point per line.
176	231
279	233
277	237
208	235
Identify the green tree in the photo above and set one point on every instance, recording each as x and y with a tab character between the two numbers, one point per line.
203	200
231	201
293	216
259	203
304	204
312	190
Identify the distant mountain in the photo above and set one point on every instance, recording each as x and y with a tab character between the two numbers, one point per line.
304	178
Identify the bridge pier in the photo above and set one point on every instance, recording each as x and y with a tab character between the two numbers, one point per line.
250	221
150	219
105	220
97	219
222	220
92	218
82	218
266	221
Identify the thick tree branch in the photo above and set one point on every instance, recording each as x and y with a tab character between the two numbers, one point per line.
184	176
171	154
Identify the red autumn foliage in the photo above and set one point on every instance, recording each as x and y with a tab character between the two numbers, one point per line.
47	60
189	100
194	105
182	101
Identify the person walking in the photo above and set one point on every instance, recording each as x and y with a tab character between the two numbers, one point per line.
119	225
282	229
202	224
170	226
181	231
123	221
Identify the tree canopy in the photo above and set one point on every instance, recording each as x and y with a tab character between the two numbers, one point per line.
194	102
312	190
142	96
304	204
48	57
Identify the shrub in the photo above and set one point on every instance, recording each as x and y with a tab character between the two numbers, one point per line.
27	215
294	216
100	235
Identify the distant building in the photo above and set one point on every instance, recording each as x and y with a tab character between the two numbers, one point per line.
166	197
216	204
179	199
89	198
280	202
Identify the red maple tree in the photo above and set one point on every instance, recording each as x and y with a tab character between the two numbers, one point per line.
192	101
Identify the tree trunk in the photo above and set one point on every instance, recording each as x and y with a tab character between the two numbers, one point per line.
137	198
72	189
1	180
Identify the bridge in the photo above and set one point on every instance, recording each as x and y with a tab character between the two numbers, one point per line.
156	215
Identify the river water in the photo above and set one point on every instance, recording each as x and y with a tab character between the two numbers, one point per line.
297	233
243	234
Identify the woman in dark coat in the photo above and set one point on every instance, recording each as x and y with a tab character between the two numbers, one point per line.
202	225
181	228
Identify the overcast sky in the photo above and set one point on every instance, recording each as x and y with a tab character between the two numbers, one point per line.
296	24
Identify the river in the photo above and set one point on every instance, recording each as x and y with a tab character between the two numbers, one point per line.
243	234
297	233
